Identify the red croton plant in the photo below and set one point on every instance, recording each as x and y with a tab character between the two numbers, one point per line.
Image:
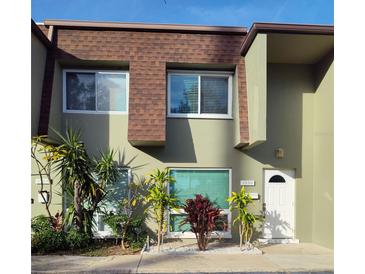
201	215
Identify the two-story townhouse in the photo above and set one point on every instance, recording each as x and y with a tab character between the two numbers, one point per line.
220	106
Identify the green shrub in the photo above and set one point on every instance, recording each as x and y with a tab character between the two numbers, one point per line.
77	240
40	223
48	241
134	233
115	222
44	238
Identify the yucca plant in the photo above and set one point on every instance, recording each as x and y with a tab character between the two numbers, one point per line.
160	200
246	220
75	168
201	215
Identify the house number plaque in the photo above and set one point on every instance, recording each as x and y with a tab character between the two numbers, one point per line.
247	182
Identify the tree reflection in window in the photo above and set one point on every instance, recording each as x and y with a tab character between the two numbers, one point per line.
80	89
184	94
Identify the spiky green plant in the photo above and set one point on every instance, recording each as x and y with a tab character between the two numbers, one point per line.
160	199
75	168
246	220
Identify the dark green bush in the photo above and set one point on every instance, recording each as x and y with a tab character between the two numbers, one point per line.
44	238
76	240
40	223
135	234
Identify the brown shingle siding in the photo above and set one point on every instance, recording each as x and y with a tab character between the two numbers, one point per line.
147	54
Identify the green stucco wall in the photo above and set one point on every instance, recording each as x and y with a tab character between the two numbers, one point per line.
190	142
323	179
290	127
292	106
255	64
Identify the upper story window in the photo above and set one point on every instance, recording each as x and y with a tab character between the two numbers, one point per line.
90	91
199	94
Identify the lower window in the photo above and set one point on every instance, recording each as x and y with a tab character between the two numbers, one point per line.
211	183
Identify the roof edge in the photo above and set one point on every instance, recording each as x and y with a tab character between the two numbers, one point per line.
283	28
146	27
40	35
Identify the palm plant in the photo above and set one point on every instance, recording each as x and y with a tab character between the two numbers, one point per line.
246	220
160	199
105	171
75	168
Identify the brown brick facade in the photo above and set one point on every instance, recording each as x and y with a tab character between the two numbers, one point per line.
148	54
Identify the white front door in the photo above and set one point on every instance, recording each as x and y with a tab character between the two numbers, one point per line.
279	204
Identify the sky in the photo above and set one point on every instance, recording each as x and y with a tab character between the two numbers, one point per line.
198	12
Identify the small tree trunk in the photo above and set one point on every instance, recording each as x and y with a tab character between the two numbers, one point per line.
160	228
122	240
197	240
158	238
250	232
78	207
241	236
246	234
202	243
205	242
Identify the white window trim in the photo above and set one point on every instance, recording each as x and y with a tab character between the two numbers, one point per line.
199	74
226	211
64	106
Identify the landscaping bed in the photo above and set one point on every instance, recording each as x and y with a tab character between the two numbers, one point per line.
215	247
98	248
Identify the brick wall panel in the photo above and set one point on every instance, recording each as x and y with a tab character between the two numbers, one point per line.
147	54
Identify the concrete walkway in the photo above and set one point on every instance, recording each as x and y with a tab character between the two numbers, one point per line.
291	258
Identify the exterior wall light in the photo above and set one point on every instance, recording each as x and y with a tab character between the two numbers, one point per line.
279	153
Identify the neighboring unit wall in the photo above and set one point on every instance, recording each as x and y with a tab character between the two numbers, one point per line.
38	61
256	63
323	159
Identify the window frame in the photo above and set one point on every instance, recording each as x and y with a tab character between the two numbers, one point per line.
64	93
200	73
225	211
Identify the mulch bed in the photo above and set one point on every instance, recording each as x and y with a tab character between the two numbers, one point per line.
99	248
